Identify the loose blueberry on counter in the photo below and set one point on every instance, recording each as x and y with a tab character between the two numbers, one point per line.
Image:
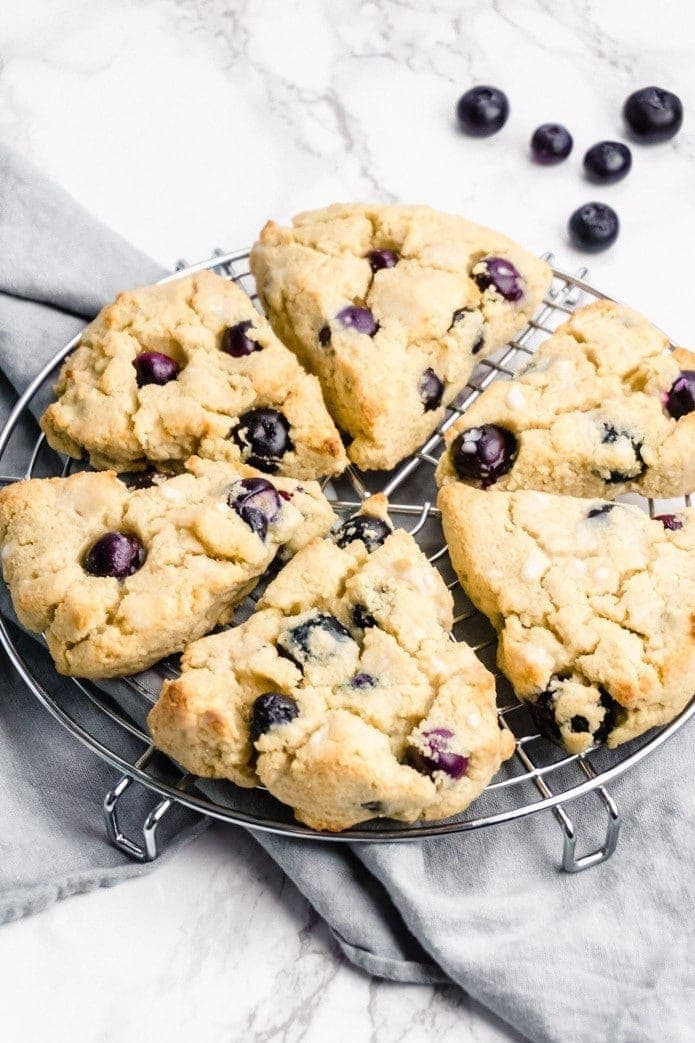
236	341
482	111
115	554
653	114
485	453
362	619
607	162
435	754
680	399
430	389
152	367
501	275
264	435
296	642
363	681
379	259
551	143
325	336
602	511
256	502
594	227
366	527
271	709
669	521
360	320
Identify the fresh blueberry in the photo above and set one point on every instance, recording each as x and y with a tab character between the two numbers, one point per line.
372	531
361	618
602	511
152	367
551	143
143	479
430	389
484	453
607	162
363	681
263	435
669	521
270	710
115	554
435	754
653	114
296	643
256	502
579	723
501	275
325	336
379	259
236	341
680	399
360	320
482	111
594	227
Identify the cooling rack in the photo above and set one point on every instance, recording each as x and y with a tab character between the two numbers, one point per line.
110	719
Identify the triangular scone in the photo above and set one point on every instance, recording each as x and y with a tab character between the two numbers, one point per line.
391	307
190	367
594	604
117	577
604	407
343	693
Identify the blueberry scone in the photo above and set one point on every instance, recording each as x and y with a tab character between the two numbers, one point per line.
116	577
603	408
188	367
593	601
391	307
343	694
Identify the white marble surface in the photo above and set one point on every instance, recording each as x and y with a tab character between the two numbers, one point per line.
185	124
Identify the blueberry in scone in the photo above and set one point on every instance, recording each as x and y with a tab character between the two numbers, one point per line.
118	576
391	306
603	408
190	367
594	604
343	694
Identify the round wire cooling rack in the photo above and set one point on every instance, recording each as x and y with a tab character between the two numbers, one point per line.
110	718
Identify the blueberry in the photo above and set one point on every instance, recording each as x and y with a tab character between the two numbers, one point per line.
115	554
143	479
485	453
325	336
270	710
263	437
543	713
611	435
653	114
579	723
551	143
612	714
607	162
361	618
363	681
669	521
430	388
379	259
501	275
602	511
151	367
482	111
459	314
236	341
480	343
371	530
360	320
594	227
680	399
434	754
256	502
297	642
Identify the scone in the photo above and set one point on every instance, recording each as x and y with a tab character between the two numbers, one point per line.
594	604
343	693
391	307
117	577
603	408
190	367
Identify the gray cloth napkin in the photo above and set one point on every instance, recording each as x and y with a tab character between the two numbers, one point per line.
604	955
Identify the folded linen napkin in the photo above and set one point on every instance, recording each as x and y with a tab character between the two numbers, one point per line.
604	955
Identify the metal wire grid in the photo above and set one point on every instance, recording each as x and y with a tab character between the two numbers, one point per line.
539	777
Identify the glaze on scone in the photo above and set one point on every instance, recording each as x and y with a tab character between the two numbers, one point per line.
201	541
343	693
230	364
391	307
594	604
592	414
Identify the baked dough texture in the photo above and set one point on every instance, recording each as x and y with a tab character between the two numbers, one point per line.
201	559
593	602
388	389
588	412
102	409
350	651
